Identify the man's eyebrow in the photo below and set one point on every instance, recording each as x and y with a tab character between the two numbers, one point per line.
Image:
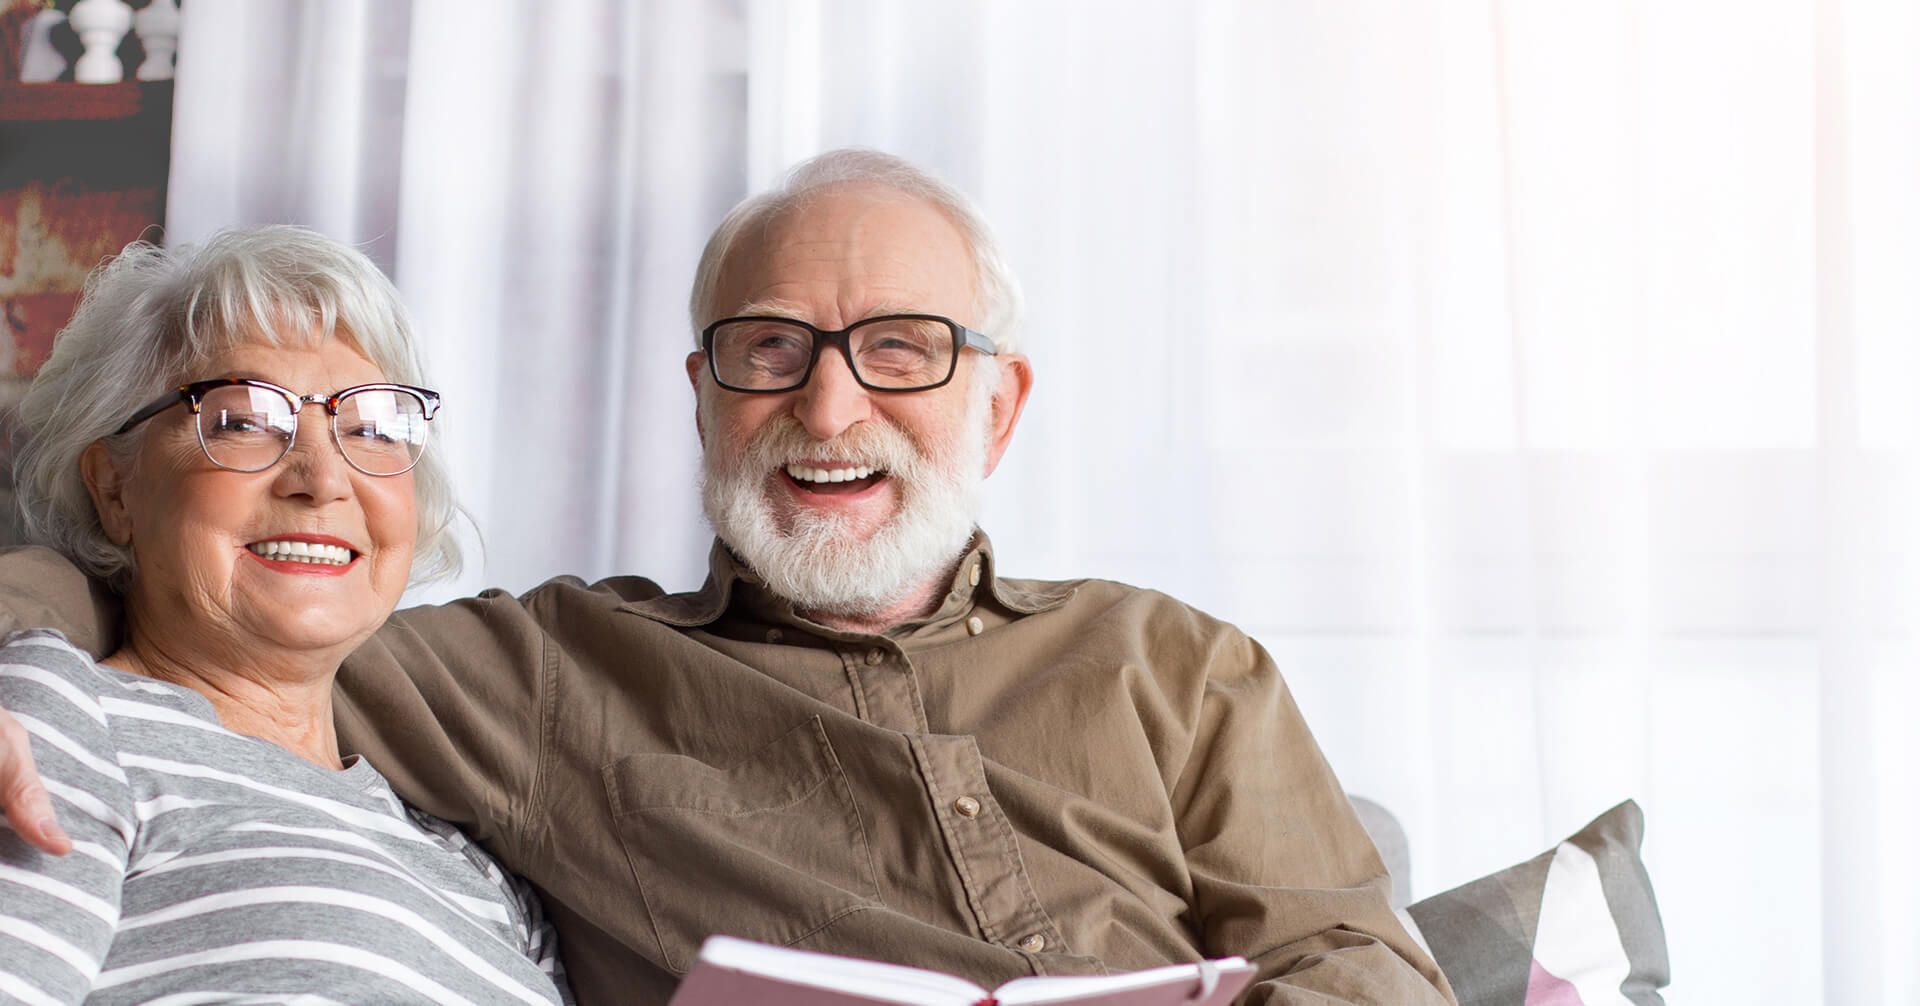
774	308
889	307
769	308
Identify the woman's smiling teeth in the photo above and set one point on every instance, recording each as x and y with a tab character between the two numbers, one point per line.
801	473
302	551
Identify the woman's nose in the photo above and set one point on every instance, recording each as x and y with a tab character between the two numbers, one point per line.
314	465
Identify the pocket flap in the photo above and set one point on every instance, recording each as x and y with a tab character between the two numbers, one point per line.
778	774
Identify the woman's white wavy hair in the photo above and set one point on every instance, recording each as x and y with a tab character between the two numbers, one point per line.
999	307
153	318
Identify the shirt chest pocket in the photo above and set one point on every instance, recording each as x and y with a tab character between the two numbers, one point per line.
768	848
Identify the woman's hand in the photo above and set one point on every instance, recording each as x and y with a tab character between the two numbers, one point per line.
29	808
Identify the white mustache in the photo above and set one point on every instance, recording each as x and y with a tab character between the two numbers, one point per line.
874	444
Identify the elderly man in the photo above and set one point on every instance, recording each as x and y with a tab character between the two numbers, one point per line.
858	736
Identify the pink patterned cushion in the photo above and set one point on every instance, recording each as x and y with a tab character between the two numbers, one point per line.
1545	990
1576	925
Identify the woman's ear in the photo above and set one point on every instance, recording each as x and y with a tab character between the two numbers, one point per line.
106	483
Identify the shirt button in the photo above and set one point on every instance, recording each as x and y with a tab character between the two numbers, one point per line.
975	626
874	657
775	635
1033	943
966	806
973	575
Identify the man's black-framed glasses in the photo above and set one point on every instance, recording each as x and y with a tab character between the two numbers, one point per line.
248	426
894	352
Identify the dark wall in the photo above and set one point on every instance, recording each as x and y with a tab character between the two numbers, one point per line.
83	171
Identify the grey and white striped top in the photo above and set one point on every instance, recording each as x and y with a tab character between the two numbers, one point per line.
213	867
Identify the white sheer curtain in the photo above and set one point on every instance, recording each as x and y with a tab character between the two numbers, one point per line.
1531	378
539	180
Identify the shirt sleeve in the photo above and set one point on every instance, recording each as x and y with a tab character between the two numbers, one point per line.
1283	873
447	702
58	913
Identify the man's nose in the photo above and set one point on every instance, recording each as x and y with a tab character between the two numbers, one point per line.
832	400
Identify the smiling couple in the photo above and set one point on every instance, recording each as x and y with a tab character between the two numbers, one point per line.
858	736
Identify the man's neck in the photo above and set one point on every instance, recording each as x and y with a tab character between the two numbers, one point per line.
918	603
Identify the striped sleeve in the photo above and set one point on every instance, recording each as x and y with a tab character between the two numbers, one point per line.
542	945
58	913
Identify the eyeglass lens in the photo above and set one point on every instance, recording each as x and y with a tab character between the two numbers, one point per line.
247	429
896	353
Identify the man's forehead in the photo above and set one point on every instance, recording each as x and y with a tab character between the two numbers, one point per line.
843	256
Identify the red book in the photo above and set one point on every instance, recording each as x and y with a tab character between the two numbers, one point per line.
733	972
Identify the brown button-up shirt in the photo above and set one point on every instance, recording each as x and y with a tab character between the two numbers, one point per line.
1039	778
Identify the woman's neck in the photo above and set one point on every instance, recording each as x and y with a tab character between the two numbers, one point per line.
283	699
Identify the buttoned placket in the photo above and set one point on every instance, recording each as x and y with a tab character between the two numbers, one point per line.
981	842
886	692
979	839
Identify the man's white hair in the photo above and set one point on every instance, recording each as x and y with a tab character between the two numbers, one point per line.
998	306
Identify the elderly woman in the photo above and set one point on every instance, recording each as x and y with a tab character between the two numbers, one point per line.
234	437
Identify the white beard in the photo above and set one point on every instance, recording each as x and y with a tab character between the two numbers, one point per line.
823	563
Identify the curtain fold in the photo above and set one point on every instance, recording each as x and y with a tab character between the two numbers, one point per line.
1532	379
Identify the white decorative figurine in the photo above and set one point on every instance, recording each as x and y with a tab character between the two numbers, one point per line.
42	62
158	25
101	24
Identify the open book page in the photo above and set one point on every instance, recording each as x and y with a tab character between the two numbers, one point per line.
734	972
1175	985
742	973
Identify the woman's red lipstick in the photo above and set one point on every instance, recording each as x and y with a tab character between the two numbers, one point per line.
282	561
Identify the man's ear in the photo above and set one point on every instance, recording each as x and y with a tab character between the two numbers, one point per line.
106	483
697	365
1009	400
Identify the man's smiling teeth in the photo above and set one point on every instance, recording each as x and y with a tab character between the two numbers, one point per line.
302	551
802	473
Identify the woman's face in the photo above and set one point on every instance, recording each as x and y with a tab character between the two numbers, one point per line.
198	531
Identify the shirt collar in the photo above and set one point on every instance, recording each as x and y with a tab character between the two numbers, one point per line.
1026	597
727	575
703	606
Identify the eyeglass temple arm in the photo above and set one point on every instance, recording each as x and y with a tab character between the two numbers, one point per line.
159	405
978	340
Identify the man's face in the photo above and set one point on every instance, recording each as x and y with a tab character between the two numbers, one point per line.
850	547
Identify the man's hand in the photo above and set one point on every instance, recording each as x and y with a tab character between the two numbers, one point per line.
29	808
